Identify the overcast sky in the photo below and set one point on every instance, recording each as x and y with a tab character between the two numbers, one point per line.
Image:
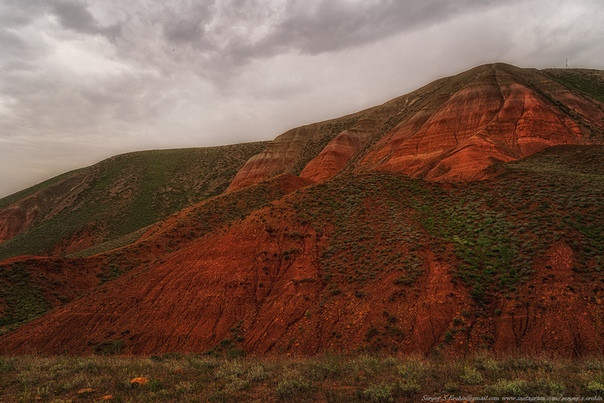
81	80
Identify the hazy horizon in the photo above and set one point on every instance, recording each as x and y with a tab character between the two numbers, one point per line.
84	80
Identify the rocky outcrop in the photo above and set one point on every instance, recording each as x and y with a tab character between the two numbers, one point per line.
289	152
477	126
450	130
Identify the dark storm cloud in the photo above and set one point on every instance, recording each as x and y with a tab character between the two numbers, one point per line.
75	16
15	50
185	30
334	25
188	25
308	27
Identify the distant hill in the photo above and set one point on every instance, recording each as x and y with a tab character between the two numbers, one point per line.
465	216
115	197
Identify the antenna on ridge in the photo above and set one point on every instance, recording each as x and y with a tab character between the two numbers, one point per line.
567	62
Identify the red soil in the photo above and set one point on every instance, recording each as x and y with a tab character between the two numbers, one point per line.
438	303
187	303
279	157
15	219
553	312
334	156
77	242
264	275
260	278
63	279
59	279
450	130
475	127
340	151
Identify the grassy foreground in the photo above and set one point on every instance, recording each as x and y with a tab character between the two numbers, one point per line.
176	377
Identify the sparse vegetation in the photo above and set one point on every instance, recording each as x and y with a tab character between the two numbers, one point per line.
381	222
178	377
324	134
23	299
381	226
198	221
589	82
122	194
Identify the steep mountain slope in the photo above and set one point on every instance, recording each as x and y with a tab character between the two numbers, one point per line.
115	197
367	232
452	129
30	286
371	261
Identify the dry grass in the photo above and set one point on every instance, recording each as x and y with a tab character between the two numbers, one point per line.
177	377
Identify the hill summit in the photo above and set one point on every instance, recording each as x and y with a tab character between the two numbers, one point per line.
452	129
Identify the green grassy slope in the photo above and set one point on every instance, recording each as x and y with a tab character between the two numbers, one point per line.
589	82
10	199
125	193
492	231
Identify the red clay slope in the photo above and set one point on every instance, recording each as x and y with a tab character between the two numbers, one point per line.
265	285
62	279
315	272
492	119
289	152
452	129
246	275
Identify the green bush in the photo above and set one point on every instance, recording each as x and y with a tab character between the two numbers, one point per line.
379	393
471	376
595	387
407	388
512	388
292	388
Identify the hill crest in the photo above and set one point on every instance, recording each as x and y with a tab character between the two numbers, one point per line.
451	129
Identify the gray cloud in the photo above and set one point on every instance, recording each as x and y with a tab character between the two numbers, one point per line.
14	13
188	25
83	79
76	16
335	25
